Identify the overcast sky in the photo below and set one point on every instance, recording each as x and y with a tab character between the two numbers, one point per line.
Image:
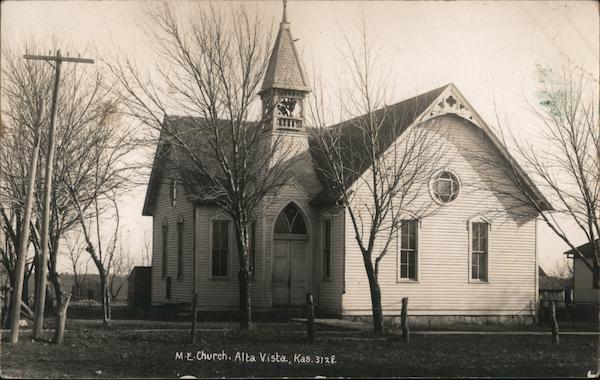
488	49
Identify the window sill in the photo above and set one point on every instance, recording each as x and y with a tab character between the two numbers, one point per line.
406	281
220	278
474	281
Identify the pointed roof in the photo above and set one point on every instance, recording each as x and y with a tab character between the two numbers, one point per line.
404	113
285	68
587	250
440	101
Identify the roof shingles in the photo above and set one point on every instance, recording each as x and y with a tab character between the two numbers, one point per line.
285	69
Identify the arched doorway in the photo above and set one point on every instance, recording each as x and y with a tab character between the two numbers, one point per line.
289	257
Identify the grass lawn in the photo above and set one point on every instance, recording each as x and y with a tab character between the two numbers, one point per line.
94	352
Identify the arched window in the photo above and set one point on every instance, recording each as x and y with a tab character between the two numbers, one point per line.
290	221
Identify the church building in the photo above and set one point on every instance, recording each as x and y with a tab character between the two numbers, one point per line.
473	260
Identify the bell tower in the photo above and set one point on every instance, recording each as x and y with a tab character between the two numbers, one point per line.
284	86
283	94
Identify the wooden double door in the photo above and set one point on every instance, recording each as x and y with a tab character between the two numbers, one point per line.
289	272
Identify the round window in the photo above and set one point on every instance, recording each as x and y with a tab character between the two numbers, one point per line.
445	187
173	193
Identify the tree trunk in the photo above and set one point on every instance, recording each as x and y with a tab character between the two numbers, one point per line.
555	332
36	281
245	309
57	289
61	319
105	298
5	305
19	271
8	302
244	275
25	295
109	306
376	305
375	295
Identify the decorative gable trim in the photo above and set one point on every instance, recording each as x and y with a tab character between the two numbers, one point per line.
451	101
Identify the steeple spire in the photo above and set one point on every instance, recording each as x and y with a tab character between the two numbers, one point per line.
284	18
284	70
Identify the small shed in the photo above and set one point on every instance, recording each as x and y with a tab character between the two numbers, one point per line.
139	287
582	275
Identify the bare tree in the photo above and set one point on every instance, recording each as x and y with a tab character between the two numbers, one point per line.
24	98
378	163
216	61
120	268
563	269
146	252
83	106
564	161
78	263
96	202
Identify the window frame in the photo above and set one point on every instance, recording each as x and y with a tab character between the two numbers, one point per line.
173	187
399	278
180	238
291	223
326	251
432	184
228	251
164	249
471	223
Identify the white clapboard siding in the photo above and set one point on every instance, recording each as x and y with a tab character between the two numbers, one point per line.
223	293
443	286
181	289
583	285
214	292
330	290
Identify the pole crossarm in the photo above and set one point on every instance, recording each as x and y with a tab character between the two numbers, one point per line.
57	58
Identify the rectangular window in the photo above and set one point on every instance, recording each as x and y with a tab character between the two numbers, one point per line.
220	248
479	251
327	248
180	250
252	248
408	249
165	235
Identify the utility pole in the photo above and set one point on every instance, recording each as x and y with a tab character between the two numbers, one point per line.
17	293
43	262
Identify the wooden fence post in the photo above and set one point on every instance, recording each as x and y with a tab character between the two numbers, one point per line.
555	336
310	318
194	316
404	320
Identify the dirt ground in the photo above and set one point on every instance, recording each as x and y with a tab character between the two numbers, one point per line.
163	349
